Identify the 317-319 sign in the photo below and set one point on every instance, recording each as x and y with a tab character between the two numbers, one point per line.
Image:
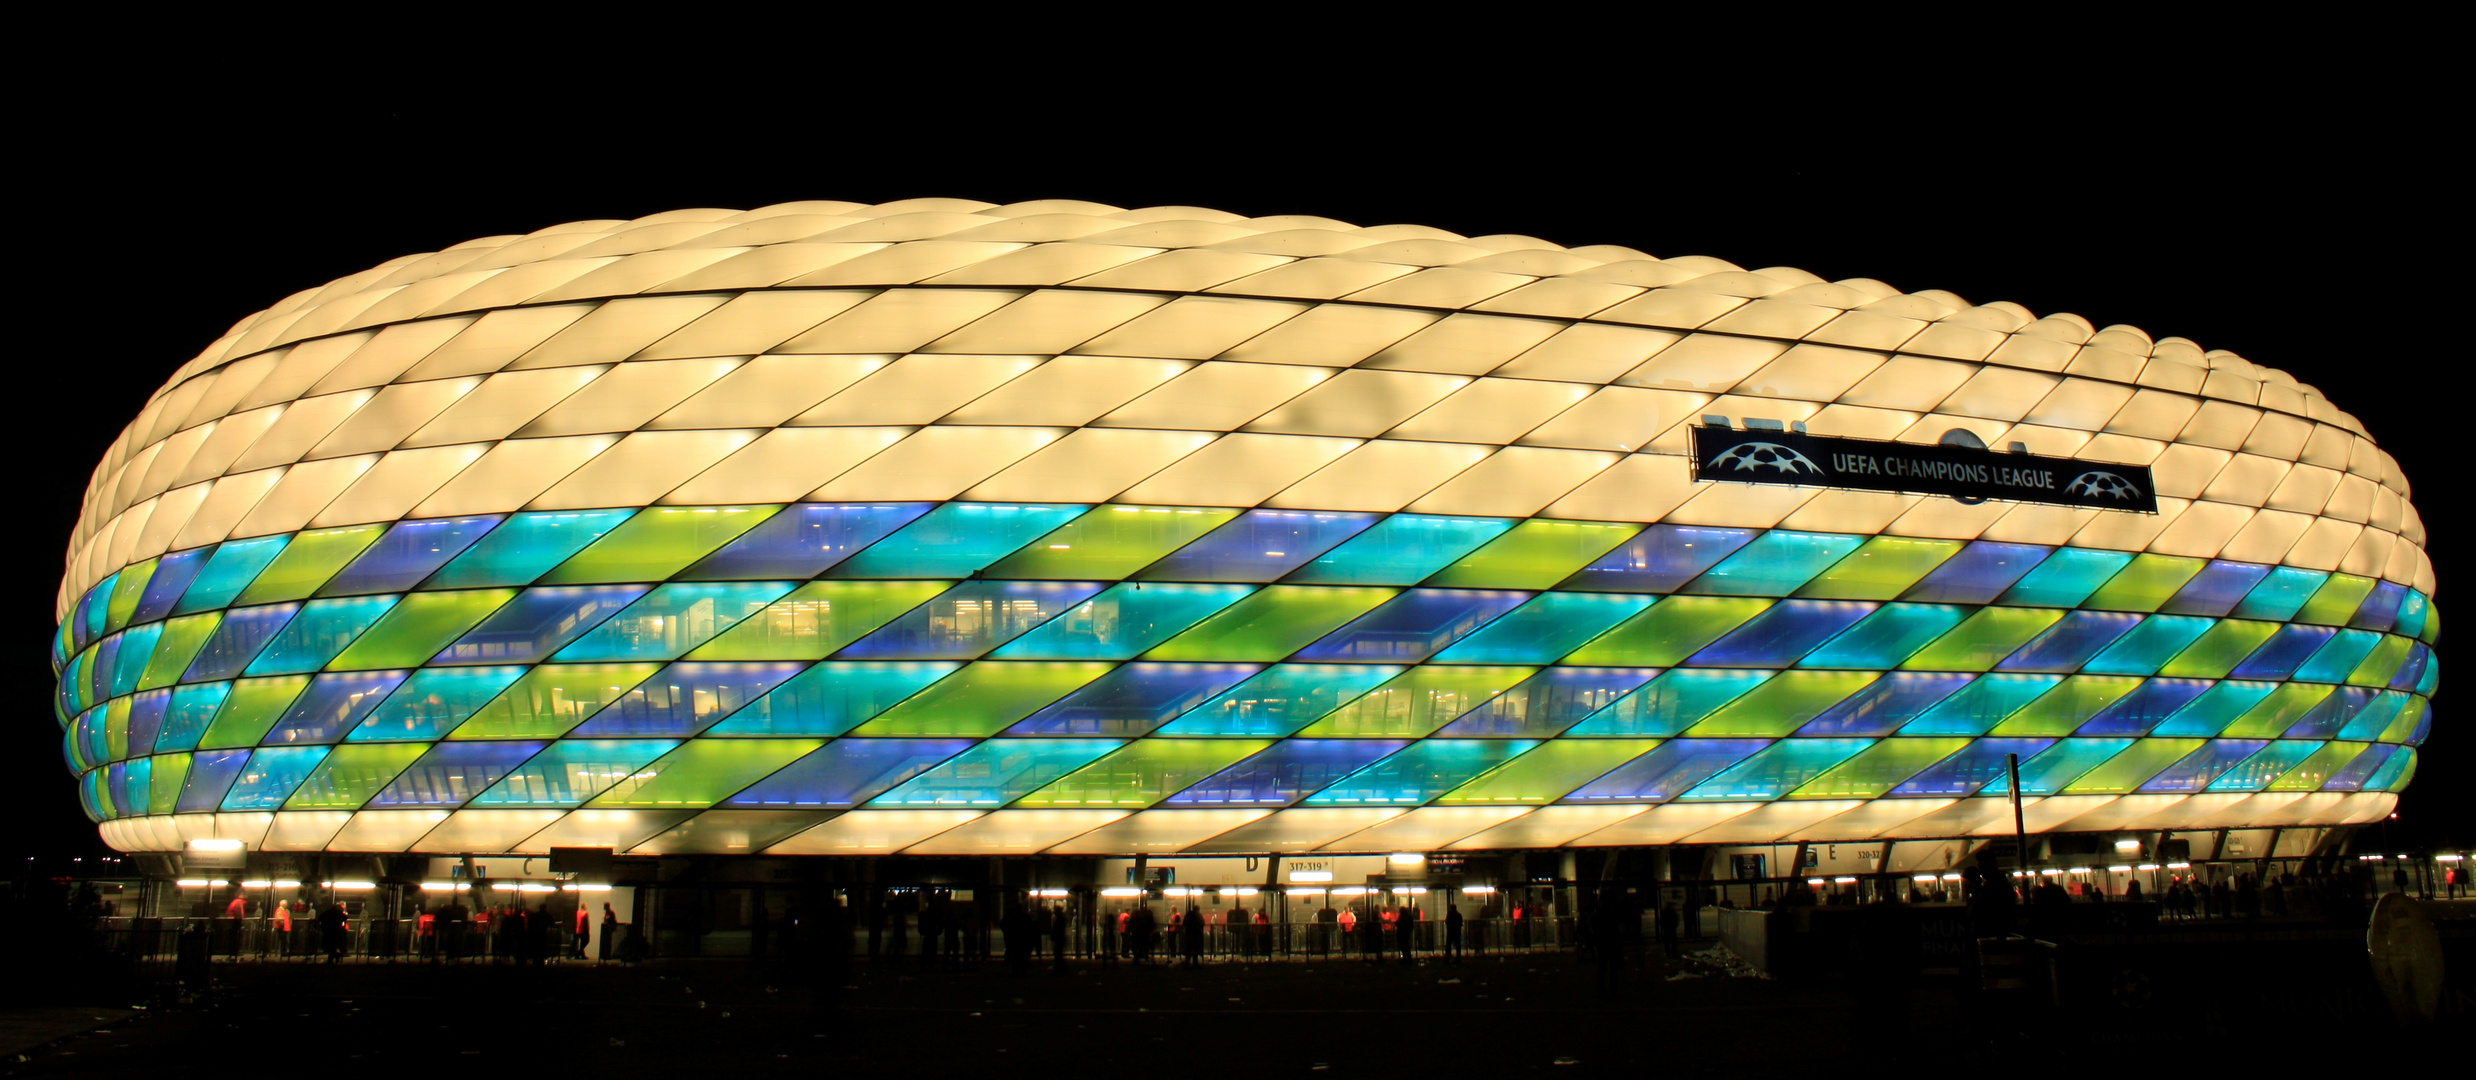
1967	473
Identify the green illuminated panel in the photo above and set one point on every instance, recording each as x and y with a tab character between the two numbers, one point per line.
307	563
1110	542
137	646
2336	601
1878	769
1537	554
983	698
1548	772
2066	578
525	547
2149	646
1420	772
417	628
128	588
116	730
1886	637
1881	570
350	775
1416	702
2316	770
1124	620
1400	550
228	571
1271	623
2216	708
164	790
2058	765
2409	717
183	636
673	619
656	543
1783	704
703	772
832	698
1550	625
2146	583
318	633
1673	629
1783	767
817	619
552	698
1670	703
2132	768
1143	772
2383	662
572	770
2432	633
250	709
1776	563
1984	639
2216	653
1280	699
2068	706
2338	657
2278	711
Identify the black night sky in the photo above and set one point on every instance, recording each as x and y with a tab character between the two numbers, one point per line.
2302	226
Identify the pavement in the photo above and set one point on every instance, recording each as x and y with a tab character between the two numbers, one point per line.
1522	1013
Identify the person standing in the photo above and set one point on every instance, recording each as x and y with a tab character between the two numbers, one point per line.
1057	937
584	932
1263	933
283	928
1407	929
760	927
1191	933
610	929
331	931
1452	932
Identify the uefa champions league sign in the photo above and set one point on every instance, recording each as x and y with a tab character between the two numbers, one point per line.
1968	473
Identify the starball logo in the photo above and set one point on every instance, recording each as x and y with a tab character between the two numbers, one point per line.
1961	470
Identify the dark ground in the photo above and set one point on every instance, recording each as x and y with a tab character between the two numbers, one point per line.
1521	1014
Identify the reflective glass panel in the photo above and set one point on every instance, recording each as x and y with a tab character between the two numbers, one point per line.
684	698
970	619
1546	627
673	619
1547	703
1413	626
1260	546
1281	699
333	704
448	774
1122	621
271	776
434	701
307	563
320	631
538	622
236	641
803	541
1133	699
656	543
983	698
1416	702
572	770
1671	630
173	575
1670	703
2281	592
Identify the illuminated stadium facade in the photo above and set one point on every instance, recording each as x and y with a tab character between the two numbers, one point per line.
944	528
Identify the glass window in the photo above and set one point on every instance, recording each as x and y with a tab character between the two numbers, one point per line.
434	701
307	563
1400	550
2068	644
657	542
1271	623
182	637
191	709
333	704
1133	699
1782	634
1259	546
1670	703
955	540
673	619
1885	705
146	715
2330	714
321	630
210	775
994	773
817	619
230	569
1547	703
2146	707
2216	589
419	627
449	774
1142	772
2066	578
983	698
1677	766
1669	631
1876	769
2354	775
1776	563
1125	620
174	573
1281	699
526	546
2149	646
1545	628
2336	601
1893	633
252	707
351	775
551	699
1535	554
538	622
1978	707
833	697
687	697
2213	709
2284	652
2144	584
1414	625
804	541
1970	769
2070	704
1983	640
1420	772
1110	542
1289	771
1659	559
970	619
702	772
2127	771
2216	652
1549	771
410	552
2061	764
846	773
1978	574
2334	661
1882	569
572	770
2380	610
2281	592
1416	702
1781	704
137	647
271	776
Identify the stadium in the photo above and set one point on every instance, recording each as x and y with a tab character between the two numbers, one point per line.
1056	544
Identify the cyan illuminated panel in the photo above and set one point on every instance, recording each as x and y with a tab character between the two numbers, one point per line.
601	519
